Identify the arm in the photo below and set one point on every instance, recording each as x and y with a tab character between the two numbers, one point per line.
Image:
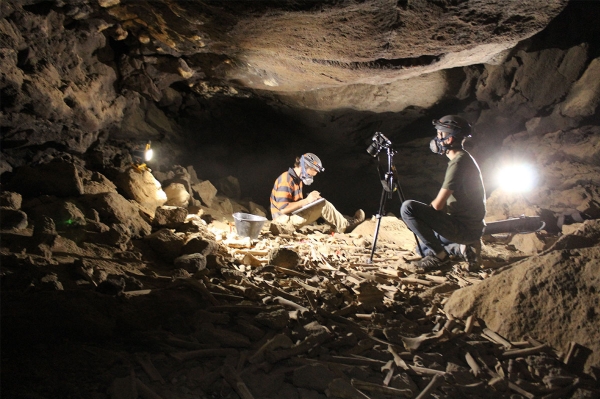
292	206
440	201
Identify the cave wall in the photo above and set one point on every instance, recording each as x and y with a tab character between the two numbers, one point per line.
72	79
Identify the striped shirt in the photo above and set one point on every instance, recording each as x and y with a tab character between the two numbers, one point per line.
287	188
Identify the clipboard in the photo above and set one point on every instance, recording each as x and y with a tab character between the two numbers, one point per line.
308	206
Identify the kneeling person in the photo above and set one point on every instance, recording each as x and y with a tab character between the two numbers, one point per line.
456	215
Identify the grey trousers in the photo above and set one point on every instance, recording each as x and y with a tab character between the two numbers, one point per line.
436	229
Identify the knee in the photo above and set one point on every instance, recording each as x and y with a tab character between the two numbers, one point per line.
407	208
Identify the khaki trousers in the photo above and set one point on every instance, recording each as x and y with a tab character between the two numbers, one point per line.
325	210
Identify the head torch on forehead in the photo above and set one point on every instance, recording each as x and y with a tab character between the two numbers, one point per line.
313	162
452	127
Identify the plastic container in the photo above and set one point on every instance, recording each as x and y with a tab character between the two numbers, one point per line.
248	225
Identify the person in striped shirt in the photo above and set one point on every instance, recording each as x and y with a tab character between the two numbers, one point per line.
287	197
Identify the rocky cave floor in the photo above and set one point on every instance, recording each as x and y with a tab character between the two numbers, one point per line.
287	315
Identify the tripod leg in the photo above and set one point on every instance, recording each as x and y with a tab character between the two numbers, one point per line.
379	215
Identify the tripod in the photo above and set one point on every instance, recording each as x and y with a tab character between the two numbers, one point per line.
390	184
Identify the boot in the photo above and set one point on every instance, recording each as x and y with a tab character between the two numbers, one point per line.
359	217
471	253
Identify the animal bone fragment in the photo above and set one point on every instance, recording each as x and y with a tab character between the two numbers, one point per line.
233	379
278	341
416	342
435	382
523	352
369	386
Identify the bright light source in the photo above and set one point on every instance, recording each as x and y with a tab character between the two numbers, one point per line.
148	154
517	178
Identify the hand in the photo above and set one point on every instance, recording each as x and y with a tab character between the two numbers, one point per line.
313	196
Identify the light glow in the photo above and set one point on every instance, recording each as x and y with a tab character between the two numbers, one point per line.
148	154
517	178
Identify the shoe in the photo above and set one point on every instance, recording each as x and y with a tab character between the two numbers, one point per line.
471	253
359	217
429	263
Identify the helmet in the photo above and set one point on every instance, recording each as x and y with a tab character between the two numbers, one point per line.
455	125
312	161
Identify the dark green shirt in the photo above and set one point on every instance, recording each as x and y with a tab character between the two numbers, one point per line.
467	202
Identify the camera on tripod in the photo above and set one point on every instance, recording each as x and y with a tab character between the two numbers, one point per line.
379	142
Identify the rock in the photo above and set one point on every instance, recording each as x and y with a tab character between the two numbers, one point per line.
201	245
177	195
12	219
276	319
528	243
313	376
58	177
166	244
44	230
169	216
95	183
50	282
257	209
113	208
230	187
206	191
180	175
143	188
550	297
10	200
65	213
284	257
224	206
112	286
192	263
279	228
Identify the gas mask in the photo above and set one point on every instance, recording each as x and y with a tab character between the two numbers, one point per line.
304	176
437	147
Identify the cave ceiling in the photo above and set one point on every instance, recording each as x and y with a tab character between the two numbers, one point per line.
316	54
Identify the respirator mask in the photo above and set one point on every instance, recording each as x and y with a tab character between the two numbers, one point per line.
436	145
313	162
456	127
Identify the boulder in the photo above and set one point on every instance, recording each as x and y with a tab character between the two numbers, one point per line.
206	191
65	213
169	216
552	296
143	188
114	208
230	187
177	195
192	262
10	200
58	177
166	244
12	219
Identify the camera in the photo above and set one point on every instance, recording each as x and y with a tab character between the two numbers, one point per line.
379	142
